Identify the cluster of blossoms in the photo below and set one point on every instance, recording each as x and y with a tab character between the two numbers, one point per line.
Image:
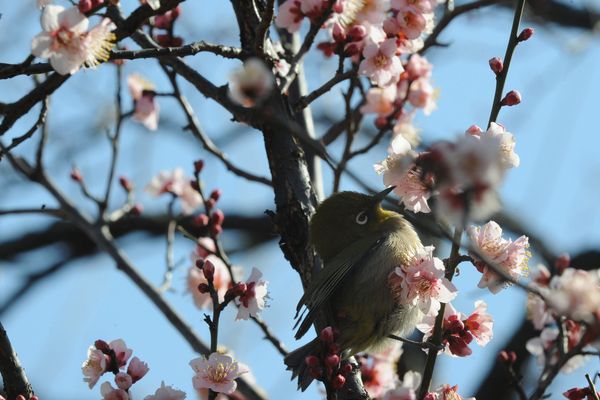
378	370
446	392
66	41
327	365
458	330
585	393
511	257
572	299
166	22
463	175
113	357
422	283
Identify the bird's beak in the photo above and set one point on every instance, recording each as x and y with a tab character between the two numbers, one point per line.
378	198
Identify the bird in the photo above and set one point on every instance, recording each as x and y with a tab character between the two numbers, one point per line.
360	245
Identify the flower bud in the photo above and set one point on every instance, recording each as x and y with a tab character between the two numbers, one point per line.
316	372
338	381
198	165
162	21
209	270
176	41
563	261
210	203
76	175
175	13
123	380
217	217
200	263
334	348
357	33
338	33
102	346
430	396
327	335
381	122
216	230
125	184
347	368
84	6
351	49
312	361
239	289
203	288
19	397
496	65
525	34
474	130
338	7
201	219
332	360
512	98
215	195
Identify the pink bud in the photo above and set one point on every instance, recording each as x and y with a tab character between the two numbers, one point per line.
525	34
338	33
381	122
215	195
512	98
347	368
137	369
123	380
76	175
357	33
163	40
201	219
216	230
209	270
203	288
176	12
474	130
334	348
210	203
312	361
200	263
239	289
562	262
217	217
198	165
84	6
430	396
316	372
102	346
332	360
162	22
34	397
351	49
176	41
496	65
125	183
327	335
97	3
338	381
338	7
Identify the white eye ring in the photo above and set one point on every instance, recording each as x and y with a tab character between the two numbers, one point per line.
361	218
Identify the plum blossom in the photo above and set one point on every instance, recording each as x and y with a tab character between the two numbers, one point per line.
413	192
480	323
123	380
380	101
110	393
221	278
363	12
137	369
576	293
418	67
411	22
290	16
146	108
95	365
508	157
166	393
66	42
422	95
537	310
447	392
122	352
406	389
250	84
405	128
424	284
217	373
511	257
252	301
545	345
176	183
381	64
378	370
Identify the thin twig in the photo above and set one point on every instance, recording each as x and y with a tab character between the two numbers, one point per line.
592	387
327	86
39	122
424	345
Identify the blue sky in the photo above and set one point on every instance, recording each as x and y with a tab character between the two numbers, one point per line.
554	192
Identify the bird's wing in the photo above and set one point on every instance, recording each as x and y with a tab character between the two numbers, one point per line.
330	278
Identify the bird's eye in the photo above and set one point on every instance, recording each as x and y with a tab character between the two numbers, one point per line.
361	218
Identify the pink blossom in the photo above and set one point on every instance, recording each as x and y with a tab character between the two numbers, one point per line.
380	101
221	279
455	207
95	365
424	283
110	393
63	38
290	16
400	160
176	183
447	392
378	371
545	345
404	127
100	41
137	369
537	310
411	22
455	336
406	389
418	67
253	299
381	64
146	108
250	84
363	12
123	381
413	192
122	352
217	373
422	6
480	324
508	157
166	393
576	293
422	95
511	257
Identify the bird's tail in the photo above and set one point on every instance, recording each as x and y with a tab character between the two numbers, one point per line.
295	363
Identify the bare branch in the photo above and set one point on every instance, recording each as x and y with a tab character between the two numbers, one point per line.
15	380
